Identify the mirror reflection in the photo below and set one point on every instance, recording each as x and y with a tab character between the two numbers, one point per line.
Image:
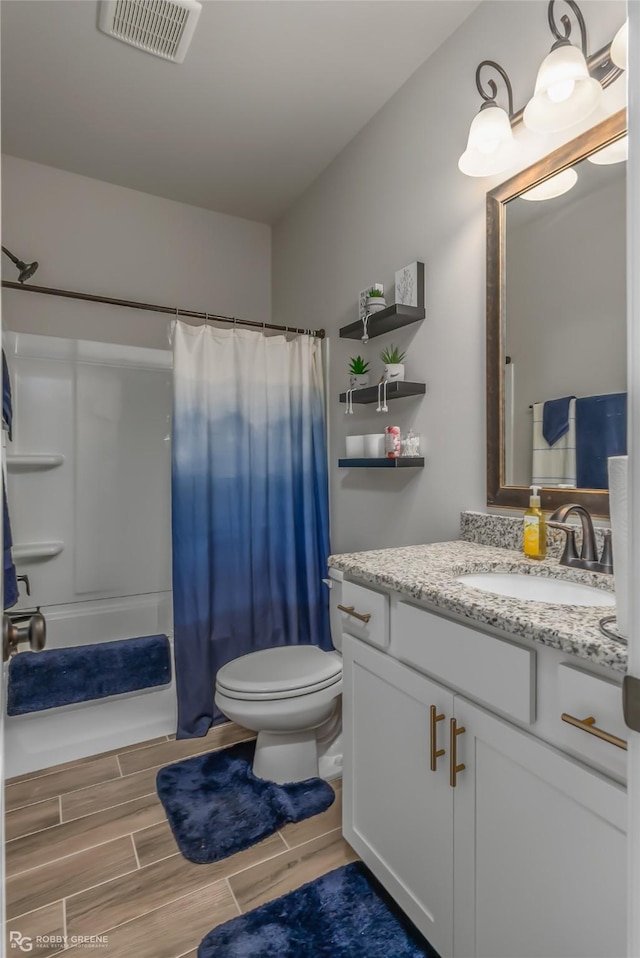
565	326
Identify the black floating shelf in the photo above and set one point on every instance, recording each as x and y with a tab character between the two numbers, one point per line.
385	321
402	462
397	390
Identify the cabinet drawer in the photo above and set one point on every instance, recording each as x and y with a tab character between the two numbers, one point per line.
365	601
496	673
581	696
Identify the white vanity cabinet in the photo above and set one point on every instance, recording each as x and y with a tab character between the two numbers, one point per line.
522	852
397	813
539	848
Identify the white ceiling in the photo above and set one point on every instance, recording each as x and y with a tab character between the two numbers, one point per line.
270	92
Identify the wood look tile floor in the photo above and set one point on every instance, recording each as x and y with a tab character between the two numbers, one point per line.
89	852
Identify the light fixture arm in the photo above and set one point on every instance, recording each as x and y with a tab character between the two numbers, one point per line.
489	97
563	36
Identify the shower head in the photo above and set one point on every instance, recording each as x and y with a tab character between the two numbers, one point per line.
25	270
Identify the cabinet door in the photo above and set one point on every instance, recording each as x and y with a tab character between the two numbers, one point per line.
540	848
398	814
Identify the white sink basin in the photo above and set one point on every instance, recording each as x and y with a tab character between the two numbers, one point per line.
537	588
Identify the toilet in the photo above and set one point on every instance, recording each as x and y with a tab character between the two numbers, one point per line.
292	697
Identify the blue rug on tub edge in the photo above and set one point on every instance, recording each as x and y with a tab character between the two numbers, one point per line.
55	677
345	914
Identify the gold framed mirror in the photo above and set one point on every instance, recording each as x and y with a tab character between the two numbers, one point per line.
575	333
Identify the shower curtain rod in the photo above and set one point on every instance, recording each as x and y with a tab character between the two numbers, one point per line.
171	310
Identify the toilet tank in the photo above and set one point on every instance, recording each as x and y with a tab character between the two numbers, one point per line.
334	583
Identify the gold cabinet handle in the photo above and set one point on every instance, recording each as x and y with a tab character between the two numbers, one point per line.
350	610
454	768
436	752
589	725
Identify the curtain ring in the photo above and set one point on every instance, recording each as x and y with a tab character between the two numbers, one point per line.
206	319
235	321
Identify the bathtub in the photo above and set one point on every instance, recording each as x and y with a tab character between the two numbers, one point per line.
41	739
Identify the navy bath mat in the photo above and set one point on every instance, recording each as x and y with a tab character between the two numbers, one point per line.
55	677
345	914
216	806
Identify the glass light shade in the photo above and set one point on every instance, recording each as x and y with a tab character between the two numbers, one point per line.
620	47
565	93
490	147
616	152
554	186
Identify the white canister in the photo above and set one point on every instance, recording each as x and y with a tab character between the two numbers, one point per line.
355	447
374	445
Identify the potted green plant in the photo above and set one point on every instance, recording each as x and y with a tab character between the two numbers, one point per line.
358	370
393	361
375	299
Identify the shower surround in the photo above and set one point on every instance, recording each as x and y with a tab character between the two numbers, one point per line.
89	477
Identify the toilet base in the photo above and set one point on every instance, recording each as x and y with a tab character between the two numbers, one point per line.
286	757
330	760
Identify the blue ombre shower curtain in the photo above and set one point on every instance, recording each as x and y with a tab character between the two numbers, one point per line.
249	504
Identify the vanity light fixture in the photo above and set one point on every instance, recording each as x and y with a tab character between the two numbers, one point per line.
568	88
565	92
491	147
555	186
616	152
620	47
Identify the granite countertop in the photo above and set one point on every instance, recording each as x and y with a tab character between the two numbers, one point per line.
428	573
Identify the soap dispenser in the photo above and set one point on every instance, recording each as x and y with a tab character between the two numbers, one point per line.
535	528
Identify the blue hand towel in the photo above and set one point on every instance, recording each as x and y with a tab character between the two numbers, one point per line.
8	568
555	419
601	432
7	405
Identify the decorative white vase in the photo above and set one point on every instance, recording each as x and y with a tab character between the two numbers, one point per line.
358	382
375	304
394	372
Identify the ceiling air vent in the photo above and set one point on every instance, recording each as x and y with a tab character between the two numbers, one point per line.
161	27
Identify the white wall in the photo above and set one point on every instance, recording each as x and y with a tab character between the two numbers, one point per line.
98	238
395	195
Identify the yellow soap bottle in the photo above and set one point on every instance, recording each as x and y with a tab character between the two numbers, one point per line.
535	528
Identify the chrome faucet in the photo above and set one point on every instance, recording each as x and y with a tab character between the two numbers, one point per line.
588	558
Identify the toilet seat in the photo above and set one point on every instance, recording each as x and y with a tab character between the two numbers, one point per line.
279	673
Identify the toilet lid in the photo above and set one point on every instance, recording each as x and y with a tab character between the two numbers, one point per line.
292	669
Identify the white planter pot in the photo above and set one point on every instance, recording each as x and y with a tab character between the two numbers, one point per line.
358	382
394	372
375	304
